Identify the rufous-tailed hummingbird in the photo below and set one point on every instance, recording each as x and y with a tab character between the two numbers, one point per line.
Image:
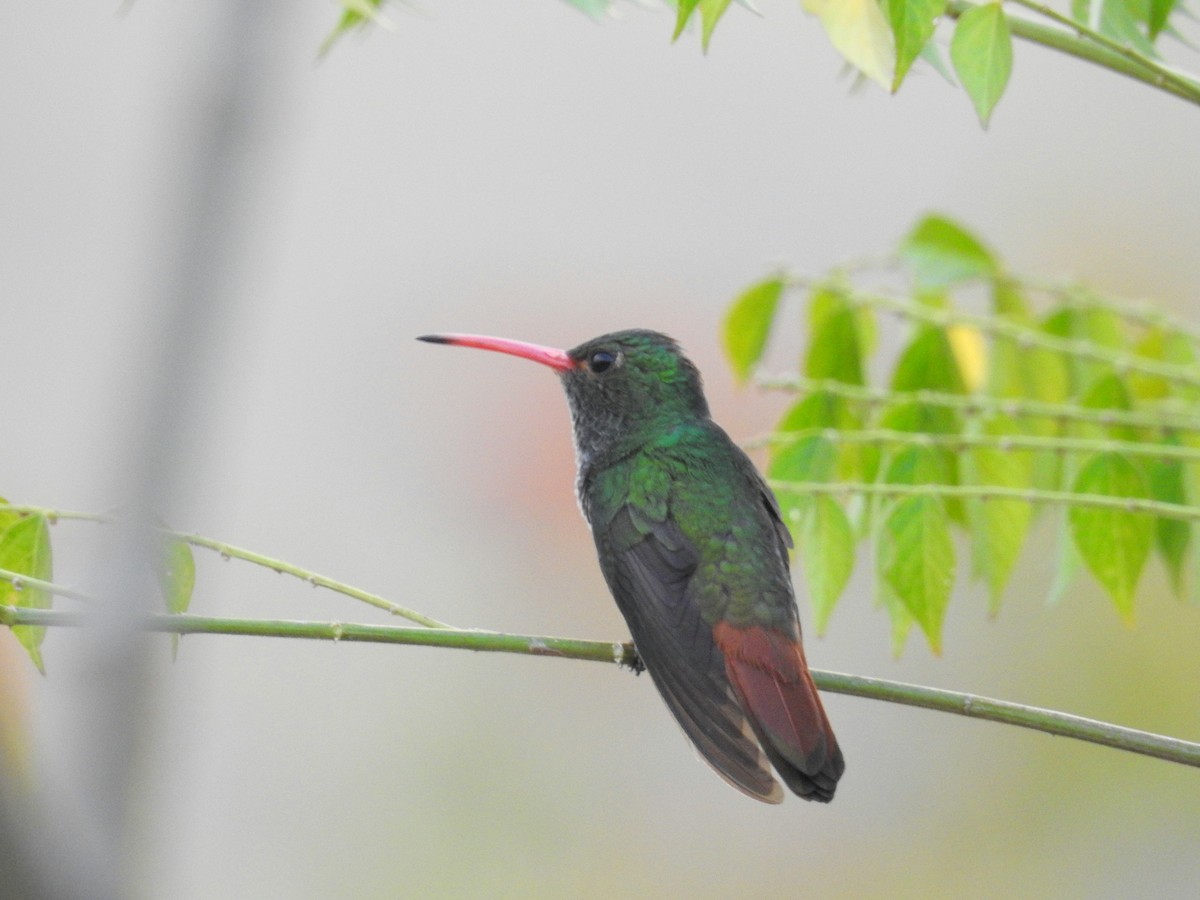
695	551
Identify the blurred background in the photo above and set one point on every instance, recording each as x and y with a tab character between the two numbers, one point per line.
517	169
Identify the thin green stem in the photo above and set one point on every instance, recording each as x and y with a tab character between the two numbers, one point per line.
286	568
229	551
1123	60
24	582
960	442
1162	76
1045	720
979	404
980	492
1142	313
1027	337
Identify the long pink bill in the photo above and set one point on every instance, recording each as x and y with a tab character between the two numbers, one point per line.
547	356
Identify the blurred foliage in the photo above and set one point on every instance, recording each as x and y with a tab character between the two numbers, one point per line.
26	571
1007	400
882	39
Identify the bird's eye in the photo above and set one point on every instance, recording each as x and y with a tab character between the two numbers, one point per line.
601	361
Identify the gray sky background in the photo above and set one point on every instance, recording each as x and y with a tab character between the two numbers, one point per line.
516	169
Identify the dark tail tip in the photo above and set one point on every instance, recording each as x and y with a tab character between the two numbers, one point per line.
433	339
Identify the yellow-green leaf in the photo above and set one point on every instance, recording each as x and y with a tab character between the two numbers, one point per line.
998	526
710	13
825	541
917	561
913	23
683	12
981	51
25	549
176	578
860	32
812	458
1167	482
929	363
835	352
748	323
1114	543
941	252
355	14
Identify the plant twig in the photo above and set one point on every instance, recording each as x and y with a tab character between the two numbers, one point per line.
960	442
1033	495
229	551
1078	42
963	704
28	582
1025	336
976	404
1160	75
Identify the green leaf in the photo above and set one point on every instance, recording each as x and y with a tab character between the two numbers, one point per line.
25	549
1167	346
827	299
825	541
1093	326
823	409
916	464
917	417
1114	543
812	458
834	352
355	14
8	518
860	32
748	323
1068	565
683	12
1118	20
928	364
981	51
998	526
917	561
820	409
176	578
902	620
941	252
926	418
1031	372
1167	482
933	56
913	23
1158	12
710	13
1009	301
1108	391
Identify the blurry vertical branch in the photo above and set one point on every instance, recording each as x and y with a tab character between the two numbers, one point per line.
108	683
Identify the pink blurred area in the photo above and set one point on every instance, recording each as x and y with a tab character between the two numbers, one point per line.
515	169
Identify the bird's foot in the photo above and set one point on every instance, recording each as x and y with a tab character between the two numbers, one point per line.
631	660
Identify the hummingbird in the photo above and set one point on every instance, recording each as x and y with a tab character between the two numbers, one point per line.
694	549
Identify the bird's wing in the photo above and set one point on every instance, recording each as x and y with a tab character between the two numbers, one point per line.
648	563
782	535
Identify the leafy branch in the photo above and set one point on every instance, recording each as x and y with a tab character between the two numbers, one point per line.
994	409
884	40
974	706
981	405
